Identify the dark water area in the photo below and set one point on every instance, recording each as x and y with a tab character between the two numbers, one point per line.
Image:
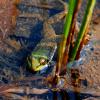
13	66
63	95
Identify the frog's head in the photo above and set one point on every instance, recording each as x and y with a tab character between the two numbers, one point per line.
37	62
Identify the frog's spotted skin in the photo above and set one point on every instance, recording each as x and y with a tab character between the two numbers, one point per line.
45	50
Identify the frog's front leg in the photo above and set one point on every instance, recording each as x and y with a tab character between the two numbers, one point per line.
48	30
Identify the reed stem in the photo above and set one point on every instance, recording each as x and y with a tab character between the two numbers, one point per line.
85	23
72	4
71	32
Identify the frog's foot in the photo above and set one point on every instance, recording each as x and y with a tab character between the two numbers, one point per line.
47	26
39	5
32	4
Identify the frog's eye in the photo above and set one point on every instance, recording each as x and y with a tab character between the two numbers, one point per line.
42	61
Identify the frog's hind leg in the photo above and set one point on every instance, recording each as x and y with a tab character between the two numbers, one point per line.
48	30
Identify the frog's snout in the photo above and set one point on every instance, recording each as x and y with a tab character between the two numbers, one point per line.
37	64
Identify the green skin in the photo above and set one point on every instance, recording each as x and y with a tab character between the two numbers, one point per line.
42	55
34	61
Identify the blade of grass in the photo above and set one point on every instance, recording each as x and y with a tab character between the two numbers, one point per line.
71	33
67	25
85	23
82	44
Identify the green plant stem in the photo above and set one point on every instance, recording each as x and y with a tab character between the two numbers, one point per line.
70	36
72	29
72	4
85	23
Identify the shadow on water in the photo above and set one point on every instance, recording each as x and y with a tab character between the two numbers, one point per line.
75	95
63	95
28	43
33	38
16	59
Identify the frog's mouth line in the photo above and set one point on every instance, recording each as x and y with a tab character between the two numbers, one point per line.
40	67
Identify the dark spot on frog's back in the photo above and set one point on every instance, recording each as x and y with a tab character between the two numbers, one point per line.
36	34
54	11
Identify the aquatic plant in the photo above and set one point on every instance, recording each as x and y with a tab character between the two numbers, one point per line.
72	32
67	26
85	23
69	31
